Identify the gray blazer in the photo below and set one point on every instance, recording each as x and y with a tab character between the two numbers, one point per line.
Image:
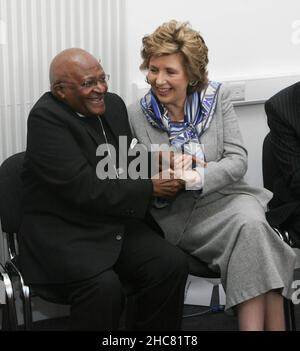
226	159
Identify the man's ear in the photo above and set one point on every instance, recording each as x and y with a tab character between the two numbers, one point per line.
59	91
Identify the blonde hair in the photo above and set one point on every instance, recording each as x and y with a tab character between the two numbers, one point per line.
178	37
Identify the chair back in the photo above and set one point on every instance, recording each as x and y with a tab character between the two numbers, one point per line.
269	164
11	193
11	189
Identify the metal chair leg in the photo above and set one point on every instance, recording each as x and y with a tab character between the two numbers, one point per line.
24	290
10	321
27	310
289	314
293	319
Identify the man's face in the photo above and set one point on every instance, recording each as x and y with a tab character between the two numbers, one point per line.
85	87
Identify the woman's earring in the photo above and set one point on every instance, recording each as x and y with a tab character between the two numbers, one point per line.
193	83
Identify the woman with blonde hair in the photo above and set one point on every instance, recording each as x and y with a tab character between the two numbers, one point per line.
222	220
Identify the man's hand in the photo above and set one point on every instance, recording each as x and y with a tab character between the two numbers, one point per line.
165	185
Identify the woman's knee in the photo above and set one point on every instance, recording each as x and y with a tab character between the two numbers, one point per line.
252	222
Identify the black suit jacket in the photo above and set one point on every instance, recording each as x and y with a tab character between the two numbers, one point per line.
73	222
283	112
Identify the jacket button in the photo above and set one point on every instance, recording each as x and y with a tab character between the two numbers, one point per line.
130	212
118	237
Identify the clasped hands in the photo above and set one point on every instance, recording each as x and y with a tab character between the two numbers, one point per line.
175	173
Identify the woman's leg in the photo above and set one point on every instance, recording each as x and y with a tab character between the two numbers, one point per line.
264	312
274	315
251	314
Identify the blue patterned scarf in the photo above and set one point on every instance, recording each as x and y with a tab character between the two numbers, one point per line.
199	109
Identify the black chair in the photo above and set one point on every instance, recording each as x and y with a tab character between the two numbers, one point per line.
200	269
9	317
11	214
270	172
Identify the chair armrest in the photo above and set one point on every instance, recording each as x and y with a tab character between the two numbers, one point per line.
284	236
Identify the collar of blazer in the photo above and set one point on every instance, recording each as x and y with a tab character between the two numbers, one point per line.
287	102
297	97
92	131
115	117
87	123
156	136
294	100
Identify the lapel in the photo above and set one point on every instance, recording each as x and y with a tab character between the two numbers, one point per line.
83	131
91	141
155	135
118	128
97	137
114	125
212	140
116	117
116	120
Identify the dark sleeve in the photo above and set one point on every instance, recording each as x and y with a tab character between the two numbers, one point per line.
286	146
55	156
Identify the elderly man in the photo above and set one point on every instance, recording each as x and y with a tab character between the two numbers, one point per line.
82	234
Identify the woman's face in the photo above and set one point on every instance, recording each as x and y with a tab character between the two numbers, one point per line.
168	79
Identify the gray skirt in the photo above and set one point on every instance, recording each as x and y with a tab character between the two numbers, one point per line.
231	234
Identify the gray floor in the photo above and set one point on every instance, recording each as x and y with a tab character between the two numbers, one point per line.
196	318
209	321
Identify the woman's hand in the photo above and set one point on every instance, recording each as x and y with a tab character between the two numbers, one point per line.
183	170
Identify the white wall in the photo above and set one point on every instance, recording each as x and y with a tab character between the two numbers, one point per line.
253	124
246	38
